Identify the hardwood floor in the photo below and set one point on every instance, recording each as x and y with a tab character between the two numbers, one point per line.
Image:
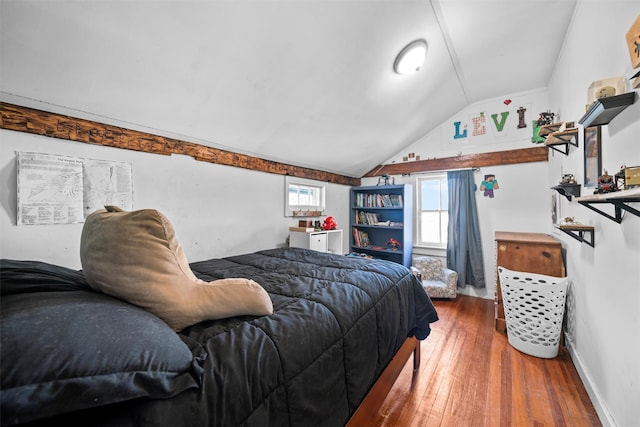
470	376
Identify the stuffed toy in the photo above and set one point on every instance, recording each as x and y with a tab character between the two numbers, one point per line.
329	223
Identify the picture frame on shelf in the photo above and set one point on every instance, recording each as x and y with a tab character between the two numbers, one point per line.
592	156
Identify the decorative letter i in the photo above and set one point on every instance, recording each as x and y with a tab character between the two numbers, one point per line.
521	123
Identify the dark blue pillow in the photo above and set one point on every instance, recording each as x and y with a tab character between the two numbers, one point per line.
21	276
71	350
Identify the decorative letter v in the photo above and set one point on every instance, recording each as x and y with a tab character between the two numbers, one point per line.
503	120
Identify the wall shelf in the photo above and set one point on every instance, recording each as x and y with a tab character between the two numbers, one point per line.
619	199
579	232
556	136
568	190
604	110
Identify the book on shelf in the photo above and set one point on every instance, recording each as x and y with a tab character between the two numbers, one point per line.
367	218
378	200
365	240
361	238
356	237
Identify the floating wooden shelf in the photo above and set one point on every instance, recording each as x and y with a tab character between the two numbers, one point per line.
556	137
604	110
568	190
579	232
545	130
619	199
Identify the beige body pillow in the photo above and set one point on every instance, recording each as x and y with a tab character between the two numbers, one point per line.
136	257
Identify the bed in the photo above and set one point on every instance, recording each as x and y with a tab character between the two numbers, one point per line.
72	355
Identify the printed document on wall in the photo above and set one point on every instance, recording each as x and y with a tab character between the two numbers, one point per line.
107	183
49	189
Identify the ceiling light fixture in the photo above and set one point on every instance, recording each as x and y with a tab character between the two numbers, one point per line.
411	58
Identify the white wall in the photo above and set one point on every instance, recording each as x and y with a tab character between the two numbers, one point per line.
604	304
522	202
517	206
216	210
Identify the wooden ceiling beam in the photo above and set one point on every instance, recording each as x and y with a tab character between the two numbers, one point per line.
496	158
29	120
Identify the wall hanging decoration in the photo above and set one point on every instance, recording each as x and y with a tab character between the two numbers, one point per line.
489	184
633	43
57	189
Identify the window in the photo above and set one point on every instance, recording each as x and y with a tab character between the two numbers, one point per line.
303	196
432	211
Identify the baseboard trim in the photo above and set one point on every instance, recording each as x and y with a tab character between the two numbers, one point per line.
594	395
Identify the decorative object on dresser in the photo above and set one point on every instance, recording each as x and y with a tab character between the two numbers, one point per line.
329	223
381	222
527	252
437	281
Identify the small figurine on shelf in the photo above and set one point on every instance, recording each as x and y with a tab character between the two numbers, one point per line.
606	184
329	223
385	179
393	244
567	178
546	118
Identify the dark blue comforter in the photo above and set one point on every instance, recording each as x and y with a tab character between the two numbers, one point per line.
337	322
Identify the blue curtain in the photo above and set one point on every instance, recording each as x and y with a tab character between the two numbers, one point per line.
464	248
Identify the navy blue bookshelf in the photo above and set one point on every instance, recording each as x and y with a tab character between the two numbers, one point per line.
378	215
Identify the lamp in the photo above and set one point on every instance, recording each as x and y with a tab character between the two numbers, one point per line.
411	58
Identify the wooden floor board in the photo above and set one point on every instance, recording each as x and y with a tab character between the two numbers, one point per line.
471	376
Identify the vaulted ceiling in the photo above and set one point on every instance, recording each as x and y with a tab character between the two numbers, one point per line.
304	82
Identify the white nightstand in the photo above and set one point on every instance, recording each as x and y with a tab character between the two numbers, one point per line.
321	241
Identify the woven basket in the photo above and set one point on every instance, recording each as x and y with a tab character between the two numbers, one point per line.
534	309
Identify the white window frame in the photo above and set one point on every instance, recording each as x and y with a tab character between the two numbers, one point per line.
291	209
418	211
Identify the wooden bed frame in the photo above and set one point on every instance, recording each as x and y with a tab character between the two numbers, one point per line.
368	409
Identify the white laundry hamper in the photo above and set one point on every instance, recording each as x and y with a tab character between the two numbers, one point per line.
534	309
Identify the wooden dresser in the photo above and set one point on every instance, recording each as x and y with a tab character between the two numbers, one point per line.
529	252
